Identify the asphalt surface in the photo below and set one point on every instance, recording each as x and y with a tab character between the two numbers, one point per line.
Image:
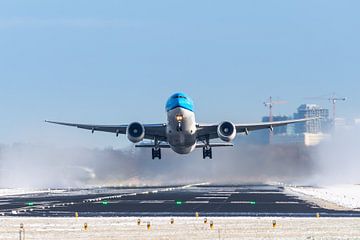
234	200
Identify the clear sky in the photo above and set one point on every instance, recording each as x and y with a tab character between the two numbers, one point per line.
110	62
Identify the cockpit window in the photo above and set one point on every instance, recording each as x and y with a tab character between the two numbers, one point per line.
179	100
180	97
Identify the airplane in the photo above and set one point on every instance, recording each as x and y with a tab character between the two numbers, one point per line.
181	132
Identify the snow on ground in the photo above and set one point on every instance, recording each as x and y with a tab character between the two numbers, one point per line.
347	196
19	191
182	228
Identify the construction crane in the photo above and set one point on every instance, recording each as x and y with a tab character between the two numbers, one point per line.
333	99
270	104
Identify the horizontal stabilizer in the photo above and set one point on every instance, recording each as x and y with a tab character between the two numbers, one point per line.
152	146
197	145
215	145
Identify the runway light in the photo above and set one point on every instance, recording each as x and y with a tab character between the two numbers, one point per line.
30	203
178	202
22	232
252	202
104	202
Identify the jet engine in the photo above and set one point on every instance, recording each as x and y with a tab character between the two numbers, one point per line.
135	132
226	131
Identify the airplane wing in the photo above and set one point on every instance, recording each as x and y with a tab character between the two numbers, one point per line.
151	130
210	130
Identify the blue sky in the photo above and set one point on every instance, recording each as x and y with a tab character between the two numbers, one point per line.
118	61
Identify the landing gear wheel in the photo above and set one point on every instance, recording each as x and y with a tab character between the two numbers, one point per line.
207	152
156	153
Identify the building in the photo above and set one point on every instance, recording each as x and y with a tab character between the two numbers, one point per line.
307	139
308	133
321	125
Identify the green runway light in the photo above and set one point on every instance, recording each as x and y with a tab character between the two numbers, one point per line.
104	202
252	202
30	203
179	202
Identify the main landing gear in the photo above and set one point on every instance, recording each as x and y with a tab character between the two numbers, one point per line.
156	153
207	152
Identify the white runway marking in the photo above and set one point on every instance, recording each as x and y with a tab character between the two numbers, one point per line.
211	197
196	202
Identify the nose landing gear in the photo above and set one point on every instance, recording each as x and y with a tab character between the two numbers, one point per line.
156	153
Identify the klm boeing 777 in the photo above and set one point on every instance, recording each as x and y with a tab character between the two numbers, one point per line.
181	132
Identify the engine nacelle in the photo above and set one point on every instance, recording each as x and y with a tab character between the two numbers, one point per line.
226	131
135	132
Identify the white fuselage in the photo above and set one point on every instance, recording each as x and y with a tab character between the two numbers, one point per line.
181	135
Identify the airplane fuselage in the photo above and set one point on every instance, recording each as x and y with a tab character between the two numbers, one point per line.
181	130
181	124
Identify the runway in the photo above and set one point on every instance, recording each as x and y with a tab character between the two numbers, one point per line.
207	200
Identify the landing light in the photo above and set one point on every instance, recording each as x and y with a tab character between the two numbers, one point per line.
179	118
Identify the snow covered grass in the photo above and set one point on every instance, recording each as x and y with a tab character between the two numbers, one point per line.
347	196
12	191
19	191
182	228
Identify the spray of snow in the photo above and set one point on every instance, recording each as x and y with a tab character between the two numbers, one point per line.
338	160
33	166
